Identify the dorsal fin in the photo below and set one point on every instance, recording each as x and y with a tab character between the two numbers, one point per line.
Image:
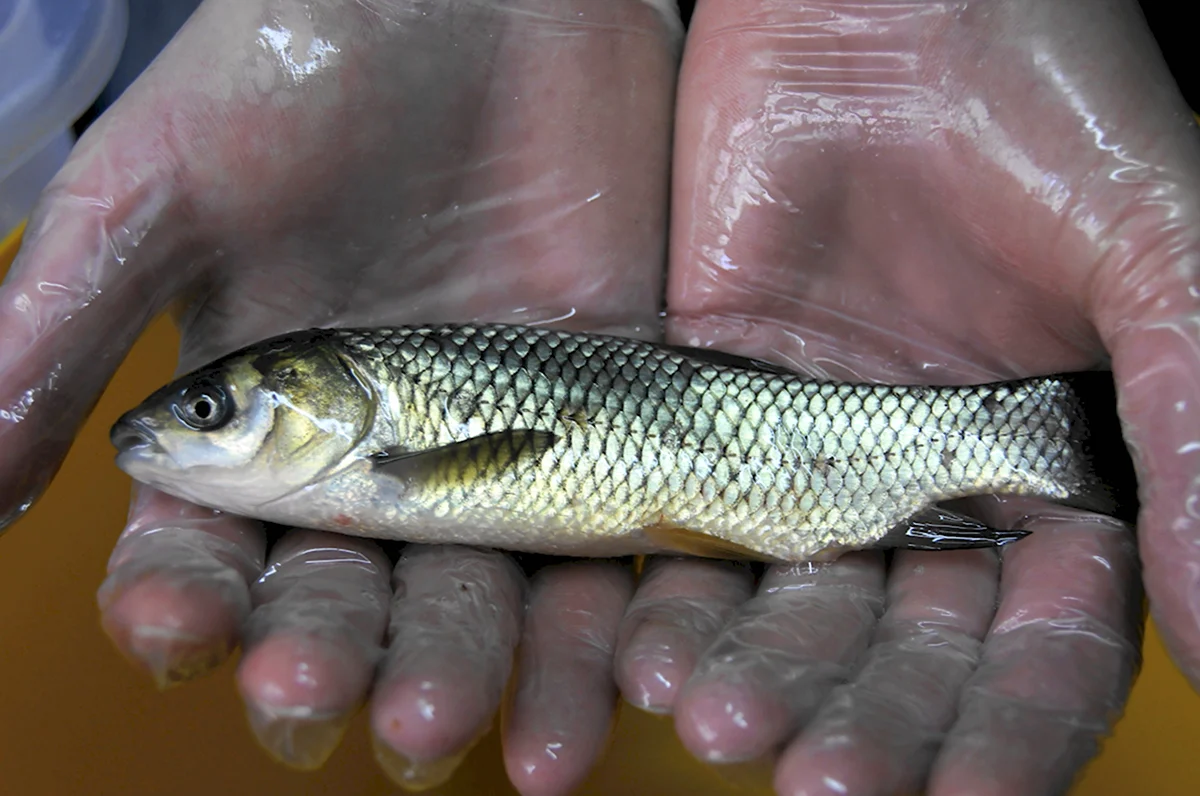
725	359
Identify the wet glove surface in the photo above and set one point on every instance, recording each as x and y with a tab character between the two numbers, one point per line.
945	192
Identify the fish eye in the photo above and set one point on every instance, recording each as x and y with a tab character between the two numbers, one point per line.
203	408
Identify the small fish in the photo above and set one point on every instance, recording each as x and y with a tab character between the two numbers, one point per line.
547	441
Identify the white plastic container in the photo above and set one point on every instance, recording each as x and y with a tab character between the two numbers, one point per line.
55	58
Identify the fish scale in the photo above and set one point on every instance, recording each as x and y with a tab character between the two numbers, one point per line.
646	436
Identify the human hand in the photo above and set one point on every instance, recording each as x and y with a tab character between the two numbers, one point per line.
290	164
943	193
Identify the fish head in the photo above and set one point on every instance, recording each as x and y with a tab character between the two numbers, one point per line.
251	427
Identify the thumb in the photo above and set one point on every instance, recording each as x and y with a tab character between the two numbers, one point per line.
1148	311
82	288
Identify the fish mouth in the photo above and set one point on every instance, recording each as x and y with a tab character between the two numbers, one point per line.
131	435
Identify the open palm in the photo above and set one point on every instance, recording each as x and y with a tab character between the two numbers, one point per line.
286	165
929	193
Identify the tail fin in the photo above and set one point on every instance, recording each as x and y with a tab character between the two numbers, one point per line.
1109	479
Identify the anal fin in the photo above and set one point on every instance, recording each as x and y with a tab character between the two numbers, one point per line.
938	529
685	541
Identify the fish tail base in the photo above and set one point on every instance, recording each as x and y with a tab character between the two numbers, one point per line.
1108	481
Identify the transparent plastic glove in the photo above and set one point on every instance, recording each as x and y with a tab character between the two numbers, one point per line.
286	164
939	193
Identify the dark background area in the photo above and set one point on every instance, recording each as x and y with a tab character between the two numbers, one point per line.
1171	23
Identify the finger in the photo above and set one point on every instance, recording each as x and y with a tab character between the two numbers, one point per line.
779	656
562	709
1057	664
177	590
455	624
1141	293
312	642
73	303
1157	366
678	608
879	733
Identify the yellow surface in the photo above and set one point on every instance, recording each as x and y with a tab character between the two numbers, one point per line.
9	245
75	718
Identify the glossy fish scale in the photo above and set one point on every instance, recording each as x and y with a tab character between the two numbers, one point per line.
647	436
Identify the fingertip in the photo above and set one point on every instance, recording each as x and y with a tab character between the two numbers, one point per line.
413	775
27	476
176	631
300	692
650	684
802	776
833	764
301	674
651	670
552	753
678	609
428	719
298	742
540	765
954	778
1172	578
722	722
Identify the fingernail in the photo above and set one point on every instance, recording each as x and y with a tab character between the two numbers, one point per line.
642	702
168	658
188	667
413	775
651	679
297	737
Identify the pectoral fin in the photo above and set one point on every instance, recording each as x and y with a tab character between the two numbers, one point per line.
482	457
938	529
685	541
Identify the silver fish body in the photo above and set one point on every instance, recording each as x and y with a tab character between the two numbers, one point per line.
558	442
